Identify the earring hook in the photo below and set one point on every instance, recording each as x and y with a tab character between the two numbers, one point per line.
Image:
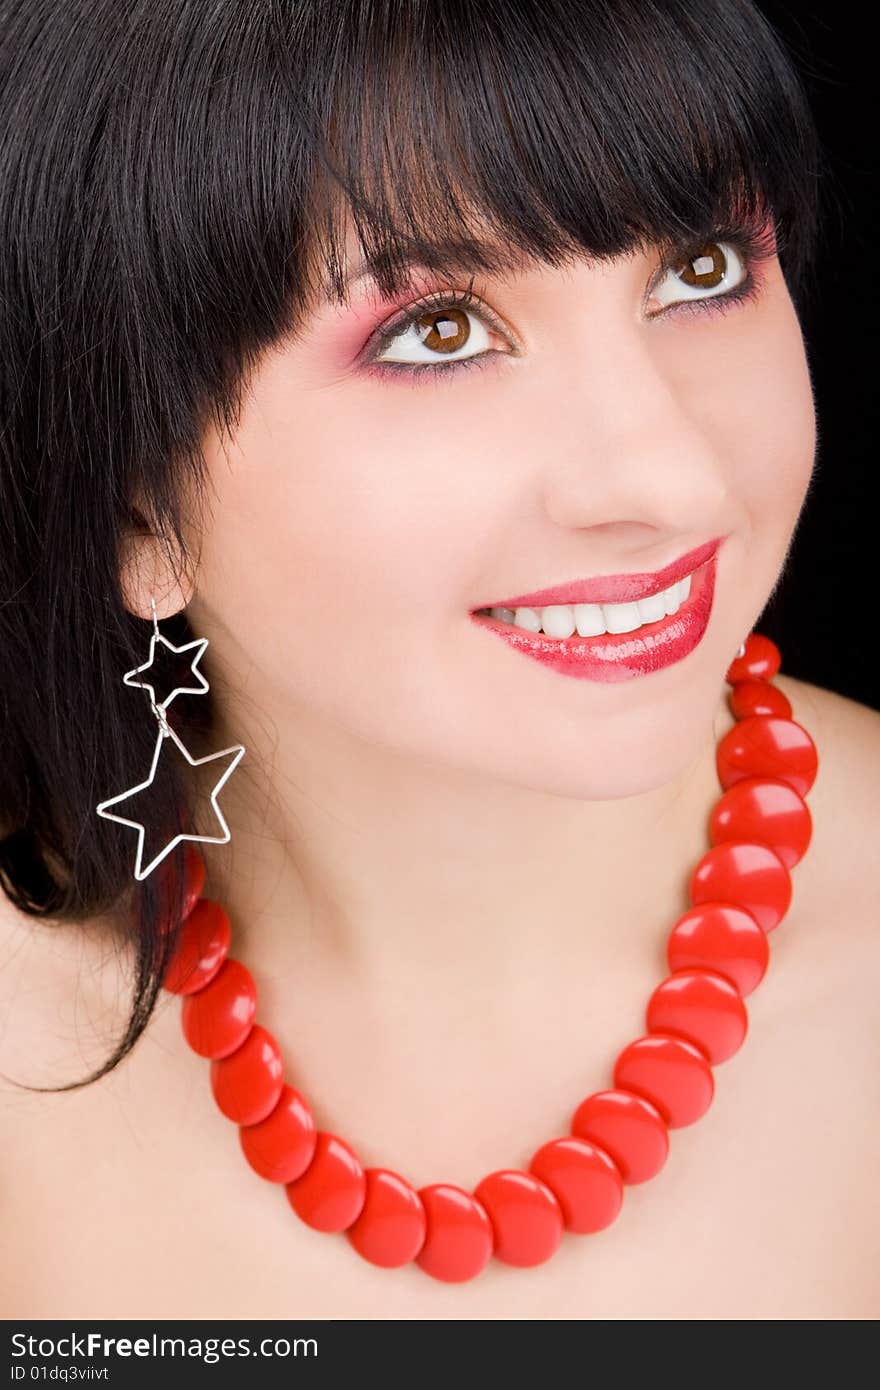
158	710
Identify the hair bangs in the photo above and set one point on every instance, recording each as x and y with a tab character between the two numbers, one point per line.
479	134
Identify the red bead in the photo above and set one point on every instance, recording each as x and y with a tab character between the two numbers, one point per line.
584	1179
723	938
767	812
526	1217
458	1238
627	1127
247	1083
281	1147
704	1009
760	661
217	1019
758	697
331	1192
764	746
669	1072
201	948
390	1230
749	875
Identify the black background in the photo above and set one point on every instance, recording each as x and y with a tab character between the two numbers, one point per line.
823	617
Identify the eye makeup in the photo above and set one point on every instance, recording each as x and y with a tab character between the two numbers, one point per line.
753	245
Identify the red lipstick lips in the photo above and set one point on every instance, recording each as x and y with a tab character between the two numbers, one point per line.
612	657
614	588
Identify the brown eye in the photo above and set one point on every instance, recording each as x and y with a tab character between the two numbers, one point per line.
710	270
443	330
704	268
437	332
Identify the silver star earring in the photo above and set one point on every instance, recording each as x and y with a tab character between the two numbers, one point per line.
169	745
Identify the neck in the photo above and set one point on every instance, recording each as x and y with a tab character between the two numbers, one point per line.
350	865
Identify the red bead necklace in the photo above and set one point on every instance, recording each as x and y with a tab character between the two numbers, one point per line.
717	954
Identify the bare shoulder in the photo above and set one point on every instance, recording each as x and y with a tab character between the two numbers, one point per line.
56	980
33	956
847	738
845	799
837	714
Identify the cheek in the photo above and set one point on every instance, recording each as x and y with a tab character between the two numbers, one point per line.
745	382
779	431
335	529
763	423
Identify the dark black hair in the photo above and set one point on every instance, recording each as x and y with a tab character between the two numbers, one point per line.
175	184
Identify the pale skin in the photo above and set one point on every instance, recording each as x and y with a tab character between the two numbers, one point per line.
452	872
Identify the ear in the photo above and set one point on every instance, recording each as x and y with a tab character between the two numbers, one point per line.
146	570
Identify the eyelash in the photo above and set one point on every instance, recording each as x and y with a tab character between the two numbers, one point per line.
753	247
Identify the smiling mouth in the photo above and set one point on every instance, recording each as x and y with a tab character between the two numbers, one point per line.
563	620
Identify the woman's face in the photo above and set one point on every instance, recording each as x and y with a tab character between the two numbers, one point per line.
362	512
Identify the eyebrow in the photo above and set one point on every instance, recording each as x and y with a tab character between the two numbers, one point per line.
449	257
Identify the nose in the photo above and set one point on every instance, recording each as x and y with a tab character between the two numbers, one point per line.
631	450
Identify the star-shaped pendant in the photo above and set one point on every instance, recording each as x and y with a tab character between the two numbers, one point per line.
129	677
168	740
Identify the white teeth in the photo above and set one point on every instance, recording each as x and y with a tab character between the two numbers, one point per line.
592	619
529	618
673	598
652	609
558	621
621	617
